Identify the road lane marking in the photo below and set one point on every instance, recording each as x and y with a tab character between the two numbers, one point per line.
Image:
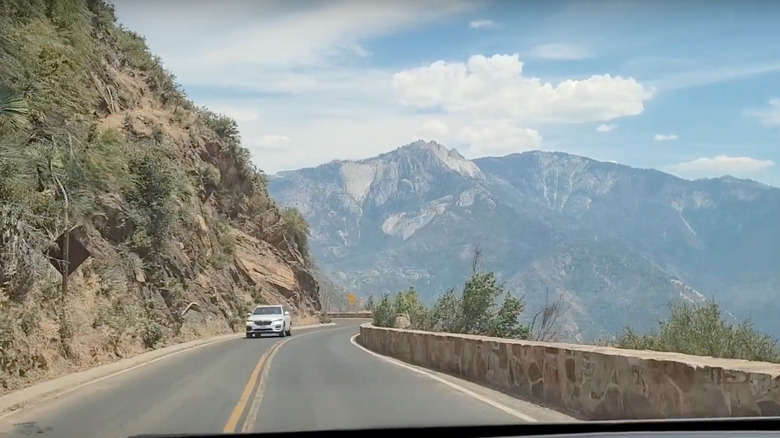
251	416
235	415
257	379
452	385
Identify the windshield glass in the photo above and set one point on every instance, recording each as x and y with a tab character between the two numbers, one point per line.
267	311
564	211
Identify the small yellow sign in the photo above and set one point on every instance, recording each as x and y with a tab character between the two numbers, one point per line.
351	299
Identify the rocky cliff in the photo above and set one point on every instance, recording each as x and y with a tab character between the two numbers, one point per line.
159	191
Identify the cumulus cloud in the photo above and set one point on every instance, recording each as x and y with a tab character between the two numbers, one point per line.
665	137
769	115
560	52
721	165
605	127
494	87
481	24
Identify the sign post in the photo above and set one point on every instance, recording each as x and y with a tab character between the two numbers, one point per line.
351	301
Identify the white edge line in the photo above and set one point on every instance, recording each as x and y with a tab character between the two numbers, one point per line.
452	385
55	394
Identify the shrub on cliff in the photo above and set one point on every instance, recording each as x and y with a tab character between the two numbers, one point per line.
701	330
296	229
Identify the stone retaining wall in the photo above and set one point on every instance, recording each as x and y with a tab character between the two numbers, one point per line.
600	383
360	315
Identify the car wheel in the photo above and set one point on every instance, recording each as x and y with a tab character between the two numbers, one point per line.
289	331
282	333
250	335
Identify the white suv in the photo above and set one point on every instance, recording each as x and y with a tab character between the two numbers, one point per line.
273	319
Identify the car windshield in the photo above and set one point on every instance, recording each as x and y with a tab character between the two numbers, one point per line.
466	212
267	311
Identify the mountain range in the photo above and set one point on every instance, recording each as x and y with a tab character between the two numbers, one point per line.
616	243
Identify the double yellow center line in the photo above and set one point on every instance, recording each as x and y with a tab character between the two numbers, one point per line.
263	365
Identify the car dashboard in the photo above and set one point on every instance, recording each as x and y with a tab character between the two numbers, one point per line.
699	428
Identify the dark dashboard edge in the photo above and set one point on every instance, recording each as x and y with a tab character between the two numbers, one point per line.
760	424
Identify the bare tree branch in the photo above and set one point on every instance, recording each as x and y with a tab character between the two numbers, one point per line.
476	261
548	324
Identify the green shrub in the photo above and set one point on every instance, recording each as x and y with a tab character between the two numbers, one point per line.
701	330
151	334
445	314
408	303
384	314
153	194
474	311
296	229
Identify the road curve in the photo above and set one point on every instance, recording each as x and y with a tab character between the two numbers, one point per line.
316	379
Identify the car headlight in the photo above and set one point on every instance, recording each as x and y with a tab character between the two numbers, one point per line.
279	320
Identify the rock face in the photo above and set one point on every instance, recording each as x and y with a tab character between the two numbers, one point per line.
617	243
599	383
167	201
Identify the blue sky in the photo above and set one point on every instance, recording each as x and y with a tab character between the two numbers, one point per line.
688	87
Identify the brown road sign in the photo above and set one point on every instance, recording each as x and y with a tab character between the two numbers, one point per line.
78	254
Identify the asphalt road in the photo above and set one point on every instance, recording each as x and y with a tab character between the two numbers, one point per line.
316	379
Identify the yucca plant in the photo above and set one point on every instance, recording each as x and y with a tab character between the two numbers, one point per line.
13	110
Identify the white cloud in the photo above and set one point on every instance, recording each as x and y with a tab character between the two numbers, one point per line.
353	48
274	139
768	116
720	165
481	24
562	52
228	44
437	128
605	127
498	138
664	137
494	87
684	76
235	112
